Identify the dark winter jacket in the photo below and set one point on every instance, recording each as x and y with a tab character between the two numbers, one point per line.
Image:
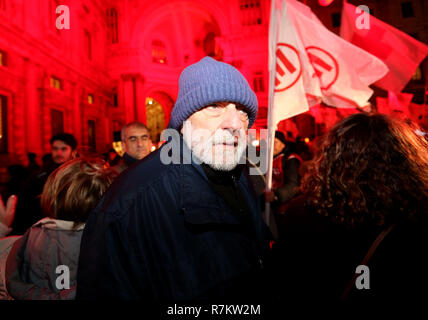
41	264
289	169
124	163
161	233
317	258
28	209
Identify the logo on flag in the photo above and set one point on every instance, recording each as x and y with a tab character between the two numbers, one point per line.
288	67
325	66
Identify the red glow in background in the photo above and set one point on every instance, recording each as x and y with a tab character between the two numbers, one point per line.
120	61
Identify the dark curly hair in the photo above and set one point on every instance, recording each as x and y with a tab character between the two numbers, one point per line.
369	168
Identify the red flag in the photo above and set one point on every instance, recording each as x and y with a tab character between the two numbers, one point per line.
399	101
400	52
382	105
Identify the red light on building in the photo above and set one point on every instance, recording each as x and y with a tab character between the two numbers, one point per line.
325	3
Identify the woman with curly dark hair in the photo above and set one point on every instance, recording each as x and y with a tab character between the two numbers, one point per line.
364	203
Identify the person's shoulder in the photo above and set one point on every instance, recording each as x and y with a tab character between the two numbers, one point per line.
145	177
301	211
145	171
120	166
298	205
293	158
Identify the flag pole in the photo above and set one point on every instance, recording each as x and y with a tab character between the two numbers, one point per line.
273	32
270	143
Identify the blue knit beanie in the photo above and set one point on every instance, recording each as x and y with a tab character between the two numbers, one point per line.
209	81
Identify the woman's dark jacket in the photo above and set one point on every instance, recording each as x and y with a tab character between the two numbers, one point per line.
317	258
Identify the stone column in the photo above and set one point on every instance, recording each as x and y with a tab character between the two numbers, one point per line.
76	112
32	105
132	97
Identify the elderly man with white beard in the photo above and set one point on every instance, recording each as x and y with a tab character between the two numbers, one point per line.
188	229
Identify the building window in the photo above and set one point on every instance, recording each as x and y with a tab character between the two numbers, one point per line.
115	100
56	83
90	98
2	58
91	134
251	12
88	45
155	119
117	127
112	25
57	121
159	52
3	124
418	74
258	82
407	9
335	19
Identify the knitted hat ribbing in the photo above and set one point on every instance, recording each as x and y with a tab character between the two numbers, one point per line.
209	81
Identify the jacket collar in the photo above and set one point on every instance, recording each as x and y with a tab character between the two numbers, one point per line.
128	159
57	224
199	203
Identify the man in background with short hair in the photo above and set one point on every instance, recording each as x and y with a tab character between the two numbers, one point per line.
28	210
136	143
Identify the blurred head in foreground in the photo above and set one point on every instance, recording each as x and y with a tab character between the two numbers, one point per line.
370	168
73	190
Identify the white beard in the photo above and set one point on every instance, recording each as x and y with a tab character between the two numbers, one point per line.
211	149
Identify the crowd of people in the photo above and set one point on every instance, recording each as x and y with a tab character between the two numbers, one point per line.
192	229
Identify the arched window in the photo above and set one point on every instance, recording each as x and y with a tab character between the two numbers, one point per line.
159	52
112	25
155	119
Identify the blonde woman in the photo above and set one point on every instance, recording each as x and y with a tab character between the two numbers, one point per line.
42	264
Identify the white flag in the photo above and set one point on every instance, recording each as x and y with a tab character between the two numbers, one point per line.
344	70
292	70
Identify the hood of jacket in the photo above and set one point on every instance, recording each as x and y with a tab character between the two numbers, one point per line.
42	264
